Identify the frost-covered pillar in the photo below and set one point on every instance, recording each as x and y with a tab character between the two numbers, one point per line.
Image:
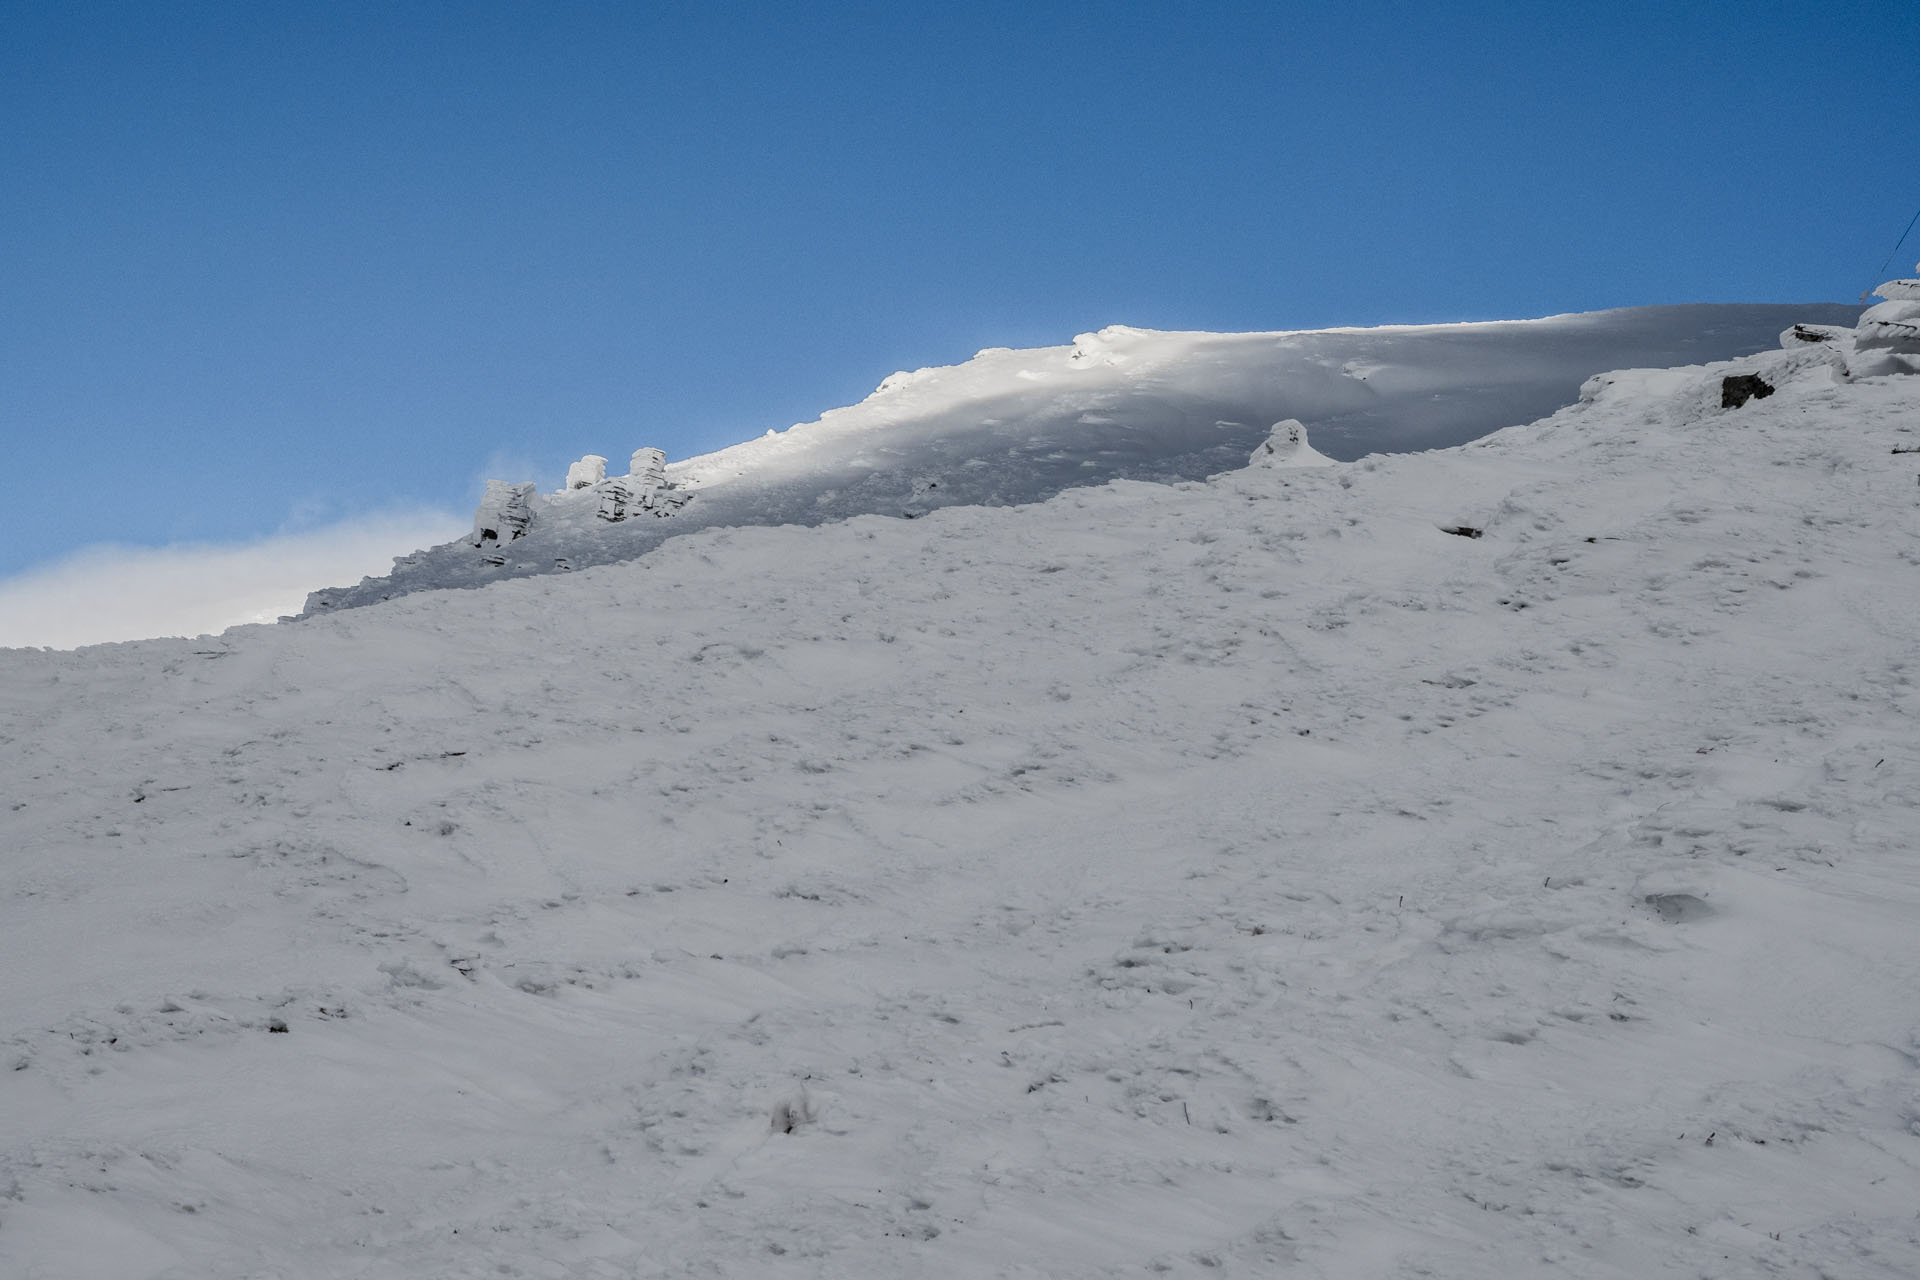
616	498
1887	339
505	513
587	472
649	468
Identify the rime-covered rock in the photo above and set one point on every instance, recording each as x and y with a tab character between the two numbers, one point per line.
649	467
505	513
644	490
1887	339
587	472
1287	447
1801	335
616	498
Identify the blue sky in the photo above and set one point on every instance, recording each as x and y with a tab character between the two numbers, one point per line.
271	266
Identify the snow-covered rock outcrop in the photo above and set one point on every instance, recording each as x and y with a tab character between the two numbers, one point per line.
1887	339
504	515
510	512
643	491
1884	340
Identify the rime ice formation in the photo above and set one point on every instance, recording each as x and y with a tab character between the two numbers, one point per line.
1884	340
509	512
1288	447
505	514
587	472
1887	339
649	468
644	490
1017	426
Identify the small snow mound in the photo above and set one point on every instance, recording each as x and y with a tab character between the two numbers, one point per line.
794	1112
1093	350
1678	895
903	378
1287	447
1626	383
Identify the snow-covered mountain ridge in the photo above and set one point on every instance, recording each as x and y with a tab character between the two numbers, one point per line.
1013	426
1255	876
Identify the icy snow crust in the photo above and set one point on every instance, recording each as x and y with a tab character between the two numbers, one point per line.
1012	426
1237	878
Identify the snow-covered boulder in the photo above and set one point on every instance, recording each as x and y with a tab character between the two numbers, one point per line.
587	472
1287	447
1887	339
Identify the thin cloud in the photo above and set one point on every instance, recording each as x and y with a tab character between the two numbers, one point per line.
110	592
513	468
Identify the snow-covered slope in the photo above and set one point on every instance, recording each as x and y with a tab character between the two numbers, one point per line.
1019	426
1244	877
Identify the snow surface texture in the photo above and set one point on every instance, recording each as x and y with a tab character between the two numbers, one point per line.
1491	862
1019	426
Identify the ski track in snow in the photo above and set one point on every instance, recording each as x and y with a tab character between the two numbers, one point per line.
1239	877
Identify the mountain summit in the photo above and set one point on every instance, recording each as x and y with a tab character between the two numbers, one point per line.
1015	426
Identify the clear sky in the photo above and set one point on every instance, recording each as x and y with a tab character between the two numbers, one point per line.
265	267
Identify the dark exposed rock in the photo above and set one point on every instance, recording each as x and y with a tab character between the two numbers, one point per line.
1742	387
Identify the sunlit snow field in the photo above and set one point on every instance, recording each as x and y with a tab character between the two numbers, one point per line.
1237	877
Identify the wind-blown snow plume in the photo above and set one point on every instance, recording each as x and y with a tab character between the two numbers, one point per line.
110	593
